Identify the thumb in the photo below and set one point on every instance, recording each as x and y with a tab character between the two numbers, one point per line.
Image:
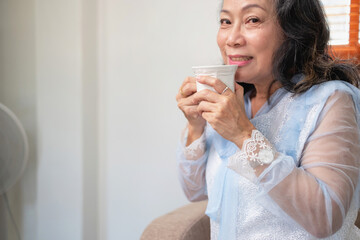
239	91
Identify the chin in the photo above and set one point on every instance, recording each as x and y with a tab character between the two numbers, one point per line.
242	79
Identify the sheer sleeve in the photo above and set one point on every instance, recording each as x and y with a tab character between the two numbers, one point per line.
191	167
318	192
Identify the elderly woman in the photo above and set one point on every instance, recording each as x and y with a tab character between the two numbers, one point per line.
280	159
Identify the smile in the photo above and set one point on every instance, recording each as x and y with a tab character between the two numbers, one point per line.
239	60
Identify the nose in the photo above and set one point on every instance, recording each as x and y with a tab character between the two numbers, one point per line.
235	37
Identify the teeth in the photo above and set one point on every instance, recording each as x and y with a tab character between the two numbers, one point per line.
241	58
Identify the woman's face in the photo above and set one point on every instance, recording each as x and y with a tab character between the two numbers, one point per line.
248	37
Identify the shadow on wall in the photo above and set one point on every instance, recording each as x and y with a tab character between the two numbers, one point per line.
18	92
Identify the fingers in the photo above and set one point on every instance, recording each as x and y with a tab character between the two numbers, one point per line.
206	95
206	107
201	110
189	101
187	88
217	84
195	105
192	102
191	111
207	115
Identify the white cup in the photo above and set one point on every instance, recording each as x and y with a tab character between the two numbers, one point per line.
225	73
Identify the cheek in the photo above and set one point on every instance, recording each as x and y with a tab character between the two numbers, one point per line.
265	44
221	41
258	40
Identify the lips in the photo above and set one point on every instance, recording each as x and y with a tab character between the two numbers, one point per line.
239	60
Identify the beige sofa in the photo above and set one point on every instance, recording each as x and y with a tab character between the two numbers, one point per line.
186	223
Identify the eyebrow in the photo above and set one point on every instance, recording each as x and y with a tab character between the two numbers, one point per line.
246	8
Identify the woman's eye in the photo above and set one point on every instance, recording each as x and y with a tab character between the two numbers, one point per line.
253	20
225	21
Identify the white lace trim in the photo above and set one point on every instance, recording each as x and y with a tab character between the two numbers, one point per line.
255	151
241	166
196	149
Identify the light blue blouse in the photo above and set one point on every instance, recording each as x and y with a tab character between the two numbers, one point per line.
310	190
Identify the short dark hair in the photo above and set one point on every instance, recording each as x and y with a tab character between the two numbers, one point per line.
305	48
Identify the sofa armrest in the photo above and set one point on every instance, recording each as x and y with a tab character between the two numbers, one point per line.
185	223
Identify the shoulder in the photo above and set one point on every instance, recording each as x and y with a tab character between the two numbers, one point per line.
320	93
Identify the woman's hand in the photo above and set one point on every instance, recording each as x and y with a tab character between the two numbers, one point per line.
187	104
224	111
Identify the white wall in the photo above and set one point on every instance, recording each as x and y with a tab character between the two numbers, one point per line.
94	83
59	119
42	62
149	48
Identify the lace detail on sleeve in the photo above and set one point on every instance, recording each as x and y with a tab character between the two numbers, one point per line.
192	167
241	166
255	151
196	149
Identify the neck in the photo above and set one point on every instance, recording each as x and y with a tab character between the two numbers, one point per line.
262	91
262	95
